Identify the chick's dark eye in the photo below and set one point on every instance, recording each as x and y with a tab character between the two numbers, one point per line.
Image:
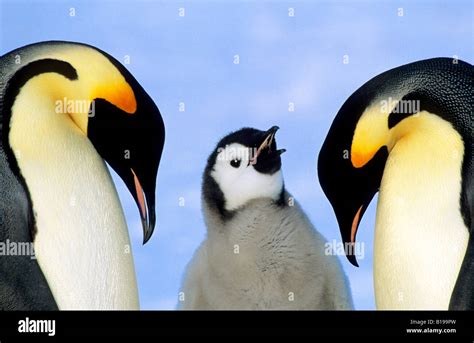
235	163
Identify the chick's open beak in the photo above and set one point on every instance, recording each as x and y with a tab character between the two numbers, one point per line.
267	144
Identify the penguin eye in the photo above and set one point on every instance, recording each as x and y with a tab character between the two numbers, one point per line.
235	163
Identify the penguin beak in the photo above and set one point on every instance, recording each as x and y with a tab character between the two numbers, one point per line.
349	189
140	198
268	140
132	144
266	158
267	144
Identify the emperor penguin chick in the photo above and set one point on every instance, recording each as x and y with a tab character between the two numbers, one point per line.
261	250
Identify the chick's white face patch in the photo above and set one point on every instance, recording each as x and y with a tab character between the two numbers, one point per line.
239	181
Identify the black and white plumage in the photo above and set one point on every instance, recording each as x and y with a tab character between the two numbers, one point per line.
64	109
407	133
261	250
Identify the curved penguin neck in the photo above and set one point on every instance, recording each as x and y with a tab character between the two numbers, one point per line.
420	238
82	243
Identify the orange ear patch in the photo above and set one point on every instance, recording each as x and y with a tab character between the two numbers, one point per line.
359	159
120	95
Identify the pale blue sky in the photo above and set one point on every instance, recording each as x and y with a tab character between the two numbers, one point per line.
282	59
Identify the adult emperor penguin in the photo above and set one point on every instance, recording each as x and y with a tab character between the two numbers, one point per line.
64	109
261	250
407	133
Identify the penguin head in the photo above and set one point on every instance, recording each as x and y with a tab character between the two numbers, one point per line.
118	117
375	118
245	165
